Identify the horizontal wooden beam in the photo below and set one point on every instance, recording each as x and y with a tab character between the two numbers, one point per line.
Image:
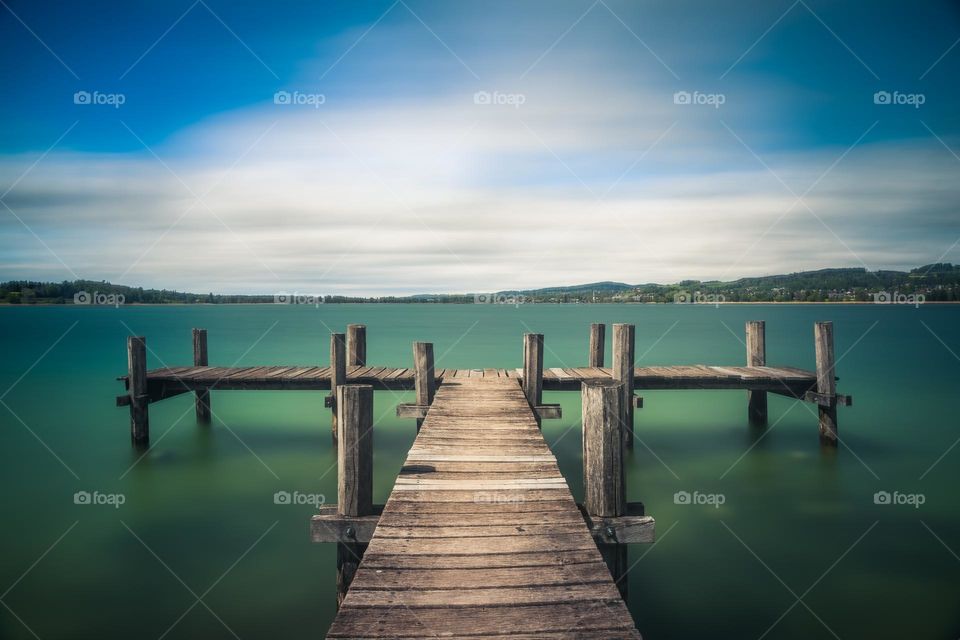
549	411
412	411
330	526
825	400
632	528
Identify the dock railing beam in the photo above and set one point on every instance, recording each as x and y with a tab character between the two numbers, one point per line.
424	378
356	345
826	382
338	377
624	346
756	357
137	388
533	370
200	359
354	472
597	339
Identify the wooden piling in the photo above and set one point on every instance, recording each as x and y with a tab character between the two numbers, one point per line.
826	382
355	450
137	388
200	360
338	377
597	338
604	481
533	369
356	345
756	357
624	345
424	379
354	472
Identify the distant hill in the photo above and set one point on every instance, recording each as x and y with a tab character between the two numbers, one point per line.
938	282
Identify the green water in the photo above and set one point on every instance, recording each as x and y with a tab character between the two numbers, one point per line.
202	499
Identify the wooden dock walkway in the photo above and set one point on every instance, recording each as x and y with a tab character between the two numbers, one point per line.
481	536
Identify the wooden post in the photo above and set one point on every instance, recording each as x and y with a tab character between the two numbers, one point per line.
356	345
604	481
354	472
424	380
756	357
338	377
624	345
533	369
826	381
137	388
355	450
200	360
597	338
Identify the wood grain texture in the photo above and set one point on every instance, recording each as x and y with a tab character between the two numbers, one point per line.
355	450
624	347
604	481
356	345
481	537
596	347
137	389
200	359
826	382
756	357
337	376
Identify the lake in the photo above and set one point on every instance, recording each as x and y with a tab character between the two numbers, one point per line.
187	541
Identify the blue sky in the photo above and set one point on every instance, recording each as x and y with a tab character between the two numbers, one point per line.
397	174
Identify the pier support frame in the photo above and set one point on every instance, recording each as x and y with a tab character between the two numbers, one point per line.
356	345
756	357
137	389
200	359
533	370
624	346
826	382
338	377
354	474
597	339
424	381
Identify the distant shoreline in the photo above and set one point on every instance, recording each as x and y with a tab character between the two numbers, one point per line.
484	304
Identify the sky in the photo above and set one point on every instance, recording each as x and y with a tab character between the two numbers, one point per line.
415	146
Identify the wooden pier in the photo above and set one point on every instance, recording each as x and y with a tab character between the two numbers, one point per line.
481	536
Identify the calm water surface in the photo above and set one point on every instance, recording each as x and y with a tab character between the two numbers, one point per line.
199	518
